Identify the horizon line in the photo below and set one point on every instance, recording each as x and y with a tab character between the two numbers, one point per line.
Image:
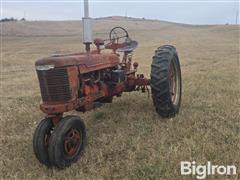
123	17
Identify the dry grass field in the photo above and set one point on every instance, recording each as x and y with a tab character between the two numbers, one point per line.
127	139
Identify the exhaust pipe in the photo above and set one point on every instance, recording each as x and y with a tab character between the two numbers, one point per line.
87	27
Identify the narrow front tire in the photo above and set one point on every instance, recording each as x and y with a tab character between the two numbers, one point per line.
67	142
41	141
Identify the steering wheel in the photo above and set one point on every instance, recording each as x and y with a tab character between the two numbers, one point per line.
118	33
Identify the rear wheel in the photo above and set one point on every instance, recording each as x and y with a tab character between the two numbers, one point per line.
166	83
67	142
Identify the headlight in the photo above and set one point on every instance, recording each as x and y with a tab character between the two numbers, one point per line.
45	67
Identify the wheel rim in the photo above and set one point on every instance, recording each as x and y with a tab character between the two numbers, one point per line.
72	142
174	84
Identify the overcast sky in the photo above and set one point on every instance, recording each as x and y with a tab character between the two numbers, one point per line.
182	11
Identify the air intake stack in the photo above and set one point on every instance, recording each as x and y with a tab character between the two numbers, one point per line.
87	27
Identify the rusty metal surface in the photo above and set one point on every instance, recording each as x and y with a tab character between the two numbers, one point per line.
93	93
59	107
87	62
72	142
138	81
54	84
86	78
98	41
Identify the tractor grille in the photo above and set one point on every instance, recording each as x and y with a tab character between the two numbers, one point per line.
54	85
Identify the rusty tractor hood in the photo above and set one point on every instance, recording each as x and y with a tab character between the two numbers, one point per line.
86	62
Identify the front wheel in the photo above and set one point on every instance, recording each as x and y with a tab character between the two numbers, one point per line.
166	81
41	140
67	142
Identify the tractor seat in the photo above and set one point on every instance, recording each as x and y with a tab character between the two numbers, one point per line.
129	47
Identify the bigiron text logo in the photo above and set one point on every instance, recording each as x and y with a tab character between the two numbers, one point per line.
209	169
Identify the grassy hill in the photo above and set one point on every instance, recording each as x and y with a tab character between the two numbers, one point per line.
126	139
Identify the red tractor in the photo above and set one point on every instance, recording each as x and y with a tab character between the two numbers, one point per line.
84	81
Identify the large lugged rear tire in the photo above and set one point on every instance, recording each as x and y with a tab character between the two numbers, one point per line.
166	82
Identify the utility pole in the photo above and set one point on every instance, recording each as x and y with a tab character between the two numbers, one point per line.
24	15
237	16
